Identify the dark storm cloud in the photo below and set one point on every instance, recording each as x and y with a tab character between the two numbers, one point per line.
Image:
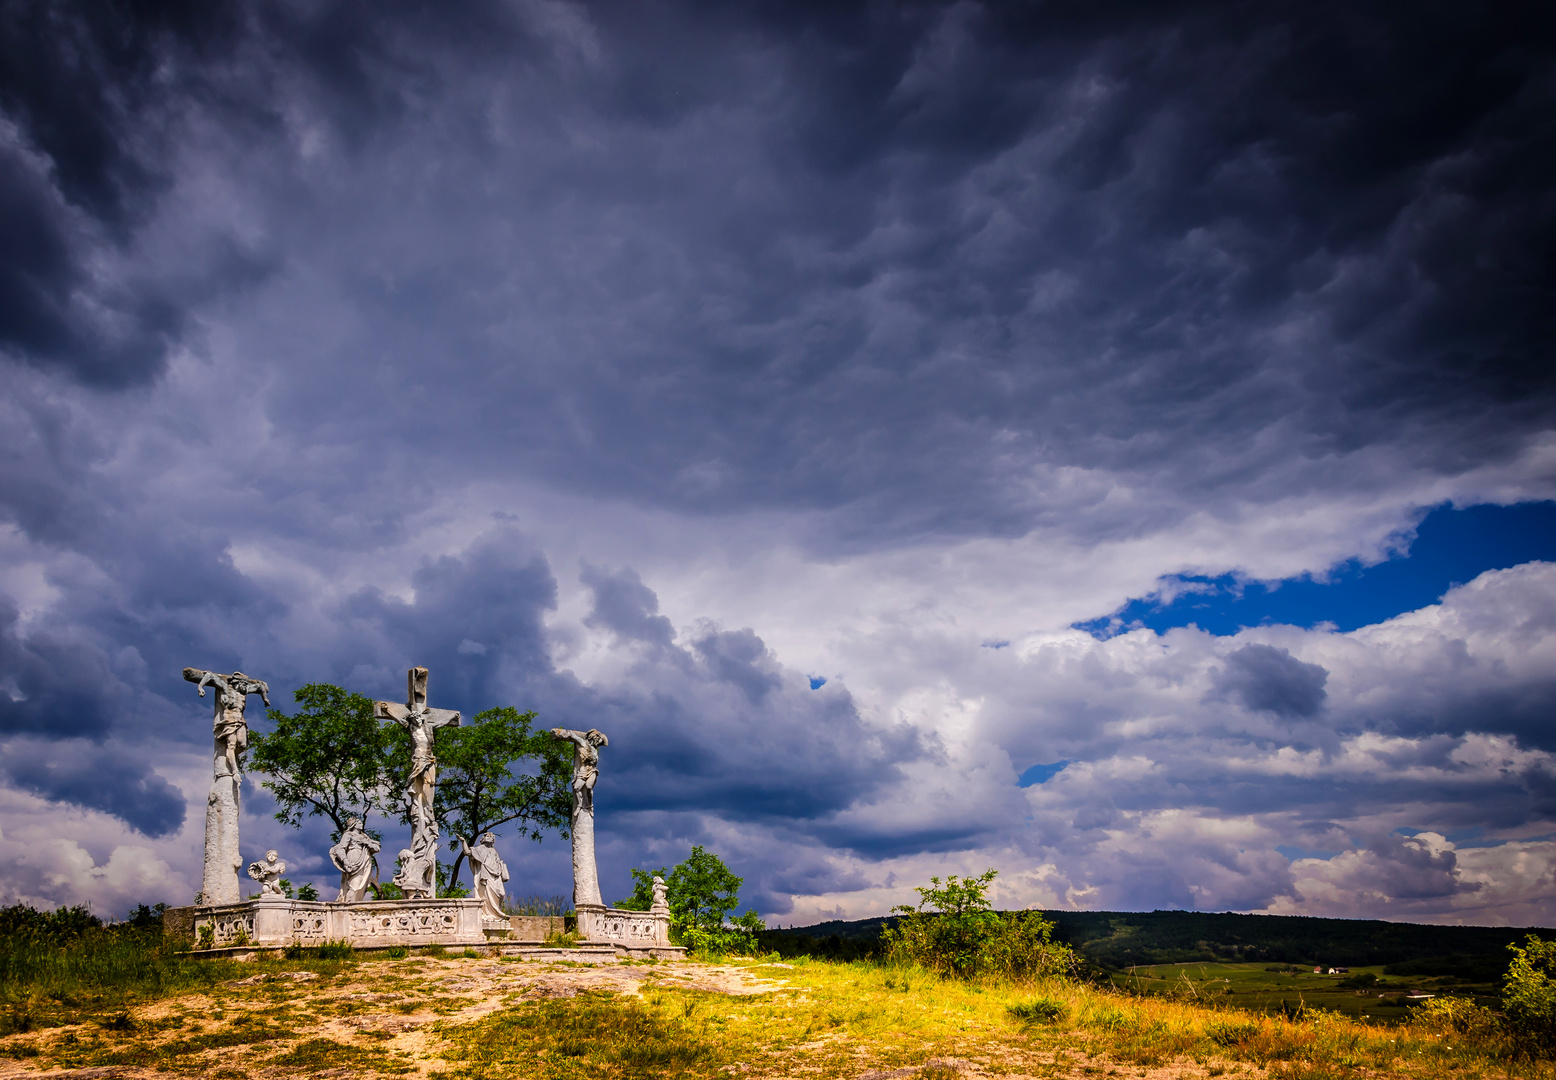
52	686
716	726
98	778
889	261
625	606
1268	678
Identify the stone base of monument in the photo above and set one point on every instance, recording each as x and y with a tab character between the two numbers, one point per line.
276	922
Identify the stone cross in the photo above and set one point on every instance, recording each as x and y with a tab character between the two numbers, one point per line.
586	770
222	861
421	786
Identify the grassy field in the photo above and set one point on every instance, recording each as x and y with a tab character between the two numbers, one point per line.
1272	989
469	1018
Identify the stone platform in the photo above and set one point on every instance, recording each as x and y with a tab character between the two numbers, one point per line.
275	922
278	921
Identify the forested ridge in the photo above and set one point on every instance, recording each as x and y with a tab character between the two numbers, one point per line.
1116	939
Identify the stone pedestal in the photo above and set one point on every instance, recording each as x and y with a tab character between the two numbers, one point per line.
222	861
586	878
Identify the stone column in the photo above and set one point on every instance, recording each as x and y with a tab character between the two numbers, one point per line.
222	861
586	875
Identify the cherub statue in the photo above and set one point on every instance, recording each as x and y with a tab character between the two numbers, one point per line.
268	874
661	895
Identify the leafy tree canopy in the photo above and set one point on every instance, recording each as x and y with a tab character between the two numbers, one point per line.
328	759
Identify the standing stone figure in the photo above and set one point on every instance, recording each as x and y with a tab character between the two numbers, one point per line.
268	874
418	865
490	872
355	856
586	770
661	895
222	861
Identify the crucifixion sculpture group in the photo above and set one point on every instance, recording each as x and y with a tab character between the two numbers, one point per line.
355	854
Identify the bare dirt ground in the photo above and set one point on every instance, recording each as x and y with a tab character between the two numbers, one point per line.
390	1016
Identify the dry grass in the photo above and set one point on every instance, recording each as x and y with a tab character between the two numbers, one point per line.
843	1020
461	1018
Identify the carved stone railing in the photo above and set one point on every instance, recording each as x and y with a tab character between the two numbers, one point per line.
634	929
276	921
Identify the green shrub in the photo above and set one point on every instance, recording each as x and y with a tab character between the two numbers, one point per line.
1040	1011
336	950
397	952
1529	995
956	932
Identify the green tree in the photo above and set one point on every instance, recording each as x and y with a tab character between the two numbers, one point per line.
1529	994
956	931
701	893
329	759
498	771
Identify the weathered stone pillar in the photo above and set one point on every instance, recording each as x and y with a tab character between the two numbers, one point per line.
222	861
586	874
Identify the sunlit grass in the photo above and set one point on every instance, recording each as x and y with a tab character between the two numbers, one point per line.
836	1020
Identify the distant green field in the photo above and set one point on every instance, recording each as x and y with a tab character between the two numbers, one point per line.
1258	988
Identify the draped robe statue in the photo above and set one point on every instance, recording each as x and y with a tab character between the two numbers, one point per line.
490	872
355	856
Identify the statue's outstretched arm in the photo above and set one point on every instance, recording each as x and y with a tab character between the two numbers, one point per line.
264	692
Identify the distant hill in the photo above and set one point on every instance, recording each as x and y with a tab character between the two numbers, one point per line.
1116	939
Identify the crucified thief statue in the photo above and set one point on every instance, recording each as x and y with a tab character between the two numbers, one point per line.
231	731
586	770
421	786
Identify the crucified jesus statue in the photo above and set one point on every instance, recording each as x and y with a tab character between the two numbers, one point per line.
421	786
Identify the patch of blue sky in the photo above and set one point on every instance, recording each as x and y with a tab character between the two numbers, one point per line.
1294	853
817	681
1041	774
1451	546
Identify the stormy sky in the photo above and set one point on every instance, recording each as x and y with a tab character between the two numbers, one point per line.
1109	442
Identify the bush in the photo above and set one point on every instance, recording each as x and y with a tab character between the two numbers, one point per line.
1529	995
1452	1015
956	932
1039	1011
